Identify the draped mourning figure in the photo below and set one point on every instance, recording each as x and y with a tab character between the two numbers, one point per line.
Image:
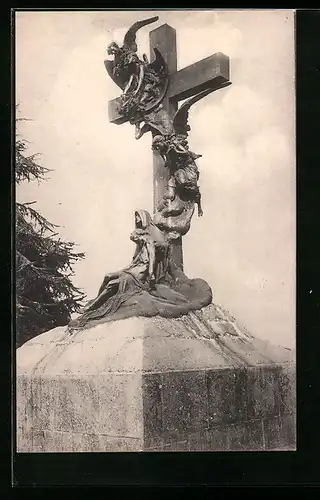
150	285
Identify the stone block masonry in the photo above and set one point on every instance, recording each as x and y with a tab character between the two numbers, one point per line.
220	410
196	383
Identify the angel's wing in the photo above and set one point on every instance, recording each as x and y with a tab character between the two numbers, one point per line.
158	64
130	36
180	120
141	131
117	79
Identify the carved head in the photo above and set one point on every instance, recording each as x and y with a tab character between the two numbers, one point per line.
113	48
148	87
159	144
142	219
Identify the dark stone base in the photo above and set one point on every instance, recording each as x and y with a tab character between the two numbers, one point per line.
248	409
276	434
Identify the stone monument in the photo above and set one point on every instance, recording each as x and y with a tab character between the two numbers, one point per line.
151	363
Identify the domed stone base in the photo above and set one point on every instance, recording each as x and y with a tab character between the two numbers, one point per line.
196	383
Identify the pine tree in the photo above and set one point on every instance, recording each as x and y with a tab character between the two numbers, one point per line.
45	294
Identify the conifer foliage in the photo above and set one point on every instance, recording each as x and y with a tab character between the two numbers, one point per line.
45	294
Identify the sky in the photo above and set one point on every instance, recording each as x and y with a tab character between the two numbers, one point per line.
244	245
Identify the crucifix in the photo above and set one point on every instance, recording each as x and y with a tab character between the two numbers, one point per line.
154	282
209	73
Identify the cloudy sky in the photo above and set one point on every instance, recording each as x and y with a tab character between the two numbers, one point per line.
244	246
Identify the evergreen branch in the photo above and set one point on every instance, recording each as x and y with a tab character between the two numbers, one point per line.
26	211
46	295
26	167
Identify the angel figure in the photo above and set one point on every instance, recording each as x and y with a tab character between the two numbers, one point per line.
127	70
174	149
184	173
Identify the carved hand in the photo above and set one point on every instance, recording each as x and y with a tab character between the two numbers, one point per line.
151	281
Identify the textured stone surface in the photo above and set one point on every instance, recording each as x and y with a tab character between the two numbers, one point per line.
218	409
196	383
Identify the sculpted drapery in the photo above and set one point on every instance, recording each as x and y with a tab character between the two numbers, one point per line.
150	285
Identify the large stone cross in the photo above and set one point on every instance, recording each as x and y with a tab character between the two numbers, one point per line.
212	71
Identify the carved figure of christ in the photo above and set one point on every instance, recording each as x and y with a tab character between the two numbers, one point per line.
210	72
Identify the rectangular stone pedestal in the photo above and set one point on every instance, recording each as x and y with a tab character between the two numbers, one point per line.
206	410
195	383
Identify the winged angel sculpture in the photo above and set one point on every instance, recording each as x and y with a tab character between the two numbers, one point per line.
143	83
170	140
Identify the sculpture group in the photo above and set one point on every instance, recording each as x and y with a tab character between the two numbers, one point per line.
152	283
